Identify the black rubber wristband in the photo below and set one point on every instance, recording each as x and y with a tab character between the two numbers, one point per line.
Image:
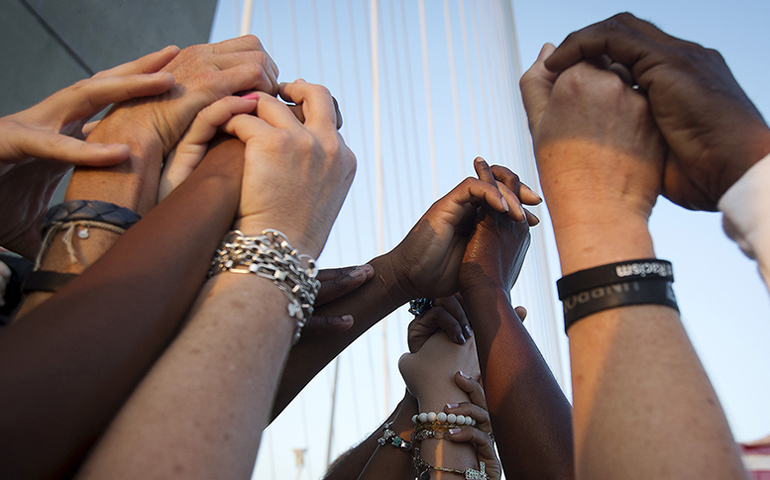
46	281
90	210
621	294
603	275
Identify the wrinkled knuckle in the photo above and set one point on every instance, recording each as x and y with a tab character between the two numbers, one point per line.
251	41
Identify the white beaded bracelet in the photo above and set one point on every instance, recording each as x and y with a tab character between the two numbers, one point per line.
442	417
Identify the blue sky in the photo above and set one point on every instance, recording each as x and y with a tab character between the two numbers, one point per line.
724	304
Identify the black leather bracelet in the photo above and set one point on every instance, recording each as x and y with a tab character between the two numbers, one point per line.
45	281
621	294
630	270
89	210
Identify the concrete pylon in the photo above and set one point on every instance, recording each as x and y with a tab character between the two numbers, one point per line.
46	45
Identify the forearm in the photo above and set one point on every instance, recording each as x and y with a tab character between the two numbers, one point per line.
200	411
367	304
132	184
370	460
531	417
75	359
444	452
638	385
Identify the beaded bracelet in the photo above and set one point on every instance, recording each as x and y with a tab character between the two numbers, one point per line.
442	417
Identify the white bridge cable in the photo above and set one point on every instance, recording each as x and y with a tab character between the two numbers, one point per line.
295	35
409	162
268	28
471	76
248	6
394	191
483	80
374	28
428	102
364	153
453	82
415	181
493	90
341	95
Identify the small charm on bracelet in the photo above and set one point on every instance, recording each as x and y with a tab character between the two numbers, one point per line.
390	437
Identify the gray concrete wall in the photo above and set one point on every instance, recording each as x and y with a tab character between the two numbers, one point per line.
46	45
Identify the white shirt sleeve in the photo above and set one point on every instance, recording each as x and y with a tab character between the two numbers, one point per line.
746	208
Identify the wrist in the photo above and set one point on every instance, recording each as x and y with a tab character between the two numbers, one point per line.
133	183
757	148
588	245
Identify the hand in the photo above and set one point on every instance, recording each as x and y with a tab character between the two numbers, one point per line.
428	259
480	435
39	145
446	315
713	130
336	283
497	247
52	129
296	175
204	74
599	153
192	147
429	372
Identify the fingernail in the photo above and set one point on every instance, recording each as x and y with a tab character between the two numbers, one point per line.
455	431
452	405
505	204
462	374
460	339
480	160
523	214
347	319
251	96
468	332
358	272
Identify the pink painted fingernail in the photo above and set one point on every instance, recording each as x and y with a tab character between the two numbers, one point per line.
505	204
454	431
251	96
462	374
452	405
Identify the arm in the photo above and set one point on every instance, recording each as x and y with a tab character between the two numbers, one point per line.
200	411
369	459
640	392
151	128
714	132
425	263
429	375
40	144
530	415
74	360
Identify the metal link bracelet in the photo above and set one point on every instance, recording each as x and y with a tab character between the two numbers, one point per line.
271	256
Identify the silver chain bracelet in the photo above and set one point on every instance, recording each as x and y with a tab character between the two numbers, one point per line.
271	256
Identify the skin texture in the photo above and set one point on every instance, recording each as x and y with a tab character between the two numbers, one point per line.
40	144
713	131
528	410
425	263
640	392
203	74
72	362
200	411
